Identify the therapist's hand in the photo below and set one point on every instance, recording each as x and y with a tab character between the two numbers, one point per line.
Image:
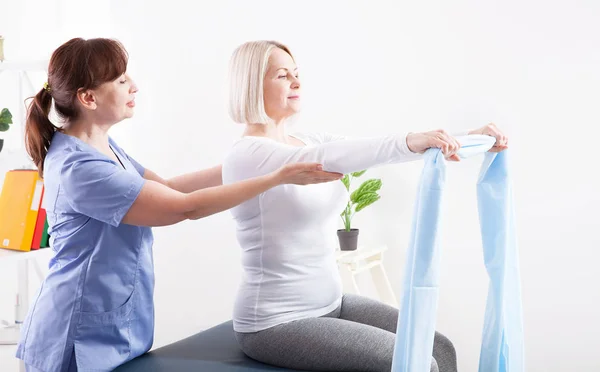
420	142
305	174
493	131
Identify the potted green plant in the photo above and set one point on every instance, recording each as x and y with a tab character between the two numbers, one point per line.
365	195
5	122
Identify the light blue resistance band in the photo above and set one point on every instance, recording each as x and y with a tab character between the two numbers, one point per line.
502	339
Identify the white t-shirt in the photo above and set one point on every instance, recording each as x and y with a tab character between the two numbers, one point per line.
288	233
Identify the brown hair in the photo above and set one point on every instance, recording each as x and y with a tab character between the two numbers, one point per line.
78	64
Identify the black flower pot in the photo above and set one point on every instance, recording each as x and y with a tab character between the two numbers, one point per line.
348	239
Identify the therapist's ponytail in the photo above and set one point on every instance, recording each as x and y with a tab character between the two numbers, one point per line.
77	65
39	129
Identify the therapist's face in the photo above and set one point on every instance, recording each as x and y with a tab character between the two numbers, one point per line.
115	100
281	86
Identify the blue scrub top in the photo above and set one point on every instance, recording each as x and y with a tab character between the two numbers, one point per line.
97	300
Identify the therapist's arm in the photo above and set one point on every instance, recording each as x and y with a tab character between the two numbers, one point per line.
189	182
159	205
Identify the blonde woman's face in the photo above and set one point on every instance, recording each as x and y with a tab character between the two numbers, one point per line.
281	86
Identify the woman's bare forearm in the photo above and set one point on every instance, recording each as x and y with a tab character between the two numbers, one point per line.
198	180
220	198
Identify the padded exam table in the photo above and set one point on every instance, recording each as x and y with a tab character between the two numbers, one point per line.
212	350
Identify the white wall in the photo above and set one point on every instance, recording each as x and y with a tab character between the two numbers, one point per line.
376	68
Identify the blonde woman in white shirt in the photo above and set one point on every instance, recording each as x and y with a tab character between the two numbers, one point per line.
290	310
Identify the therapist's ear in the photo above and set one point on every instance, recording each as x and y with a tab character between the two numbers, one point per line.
87	99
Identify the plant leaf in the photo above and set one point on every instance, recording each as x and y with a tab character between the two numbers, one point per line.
371	185
346	181
365	196
3	127
367	200
5	117
358	174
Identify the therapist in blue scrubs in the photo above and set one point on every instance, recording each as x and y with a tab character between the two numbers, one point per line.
95	310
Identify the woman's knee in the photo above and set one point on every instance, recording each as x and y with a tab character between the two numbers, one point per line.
444	353
443	343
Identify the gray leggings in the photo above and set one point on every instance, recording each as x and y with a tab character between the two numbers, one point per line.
357	336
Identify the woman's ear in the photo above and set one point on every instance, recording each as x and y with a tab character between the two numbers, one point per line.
87	99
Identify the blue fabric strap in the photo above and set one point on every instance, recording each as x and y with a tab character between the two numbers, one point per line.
502	339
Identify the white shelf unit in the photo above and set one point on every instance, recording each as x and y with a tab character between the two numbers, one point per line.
18	158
